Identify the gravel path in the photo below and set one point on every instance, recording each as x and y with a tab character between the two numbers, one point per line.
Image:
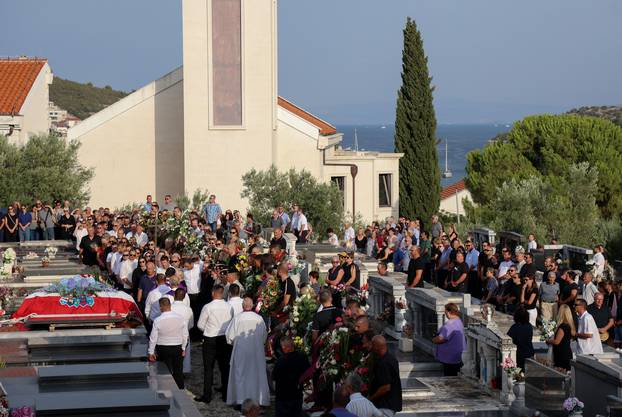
194	387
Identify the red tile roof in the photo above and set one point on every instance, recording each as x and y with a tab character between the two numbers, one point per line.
17	76
453	189
325	128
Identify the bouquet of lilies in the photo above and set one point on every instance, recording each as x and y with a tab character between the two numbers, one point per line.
548	329
51	252
302	314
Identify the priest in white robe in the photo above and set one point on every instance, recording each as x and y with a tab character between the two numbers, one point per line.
247	373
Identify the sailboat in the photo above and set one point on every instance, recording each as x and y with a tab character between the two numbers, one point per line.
447	173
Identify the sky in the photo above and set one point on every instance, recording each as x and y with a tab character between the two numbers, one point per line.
491	60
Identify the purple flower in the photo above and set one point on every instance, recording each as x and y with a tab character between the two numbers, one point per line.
23	412
71	284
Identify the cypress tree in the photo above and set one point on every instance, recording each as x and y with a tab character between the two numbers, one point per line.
415	131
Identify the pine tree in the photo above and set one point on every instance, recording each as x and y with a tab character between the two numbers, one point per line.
415	131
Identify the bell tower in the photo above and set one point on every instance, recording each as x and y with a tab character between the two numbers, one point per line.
230	92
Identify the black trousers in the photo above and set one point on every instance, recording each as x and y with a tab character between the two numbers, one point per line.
451	369
215	349
288	408
196	306
171	356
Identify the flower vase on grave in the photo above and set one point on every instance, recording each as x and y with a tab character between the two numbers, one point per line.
519	392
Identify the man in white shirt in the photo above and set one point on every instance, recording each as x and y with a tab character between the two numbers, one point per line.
234	299
168	341
233	277
139	236
192	278
179	307
588	337
152	308
348	235
213	321
599	261
589	289
128	265
359	405
506	263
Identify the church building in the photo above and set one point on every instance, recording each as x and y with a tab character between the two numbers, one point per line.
205	124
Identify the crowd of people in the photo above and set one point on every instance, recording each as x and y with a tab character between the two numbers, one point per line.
580	306
205	294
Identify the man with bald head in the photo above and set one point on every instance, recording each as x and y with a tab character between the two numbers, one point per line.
247	374
386	388
602	316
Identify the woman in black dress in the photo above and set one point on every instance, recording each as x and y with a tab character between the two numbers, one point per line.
529	298
67	225
562	353
360	240
11	223
521	333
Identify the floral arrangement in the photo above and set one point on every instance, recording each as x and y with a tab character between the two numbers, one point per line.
294	266
51	251
338	358
511	369
31	255
77	286
302	314
4	404
23	412
242	265
252	282
548	329
268	300
573	405
9	256
6	294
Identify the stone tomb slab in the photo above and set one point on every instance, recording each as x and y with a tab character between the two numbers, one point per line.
102	402
88	372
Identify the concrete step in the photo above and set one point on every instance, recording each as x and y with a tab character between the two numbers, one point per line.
420	369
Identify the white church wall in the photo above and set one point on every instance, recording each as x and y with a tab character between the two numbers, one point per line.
134	144
297	150
453	205
216	158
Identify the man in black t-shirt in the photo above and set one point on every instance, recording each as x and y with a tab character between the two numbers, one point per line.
288	288
286	375
569	291
458	278
326	317
386	387
602	316
88	247
278	239
416	267
529	268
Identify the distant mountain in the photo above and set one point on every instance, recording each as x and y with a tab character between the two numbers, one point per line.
82	100
613	113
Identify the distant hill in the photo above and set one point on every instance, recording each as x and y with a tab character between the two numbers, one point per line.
82	100
613	113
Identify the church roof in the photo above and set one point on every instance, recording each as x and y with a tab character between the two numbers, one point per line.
17	75
452	189
325	128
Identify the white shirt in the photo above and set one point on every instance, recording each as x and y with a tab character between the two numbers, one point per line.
127	268
79	234
532	245
348	235
115	264
151	311
503	267
236	305
592	345
169	329
302	223
362	407
599	261
193	279
141	239
178	307
186	301
471	259
588	292
215	318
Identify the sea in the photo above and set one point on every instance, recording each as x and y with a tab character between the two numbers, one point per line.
460	138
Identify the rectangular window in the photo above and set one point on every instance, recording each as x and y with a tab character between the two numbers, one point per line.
384	196
227	62
340	182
